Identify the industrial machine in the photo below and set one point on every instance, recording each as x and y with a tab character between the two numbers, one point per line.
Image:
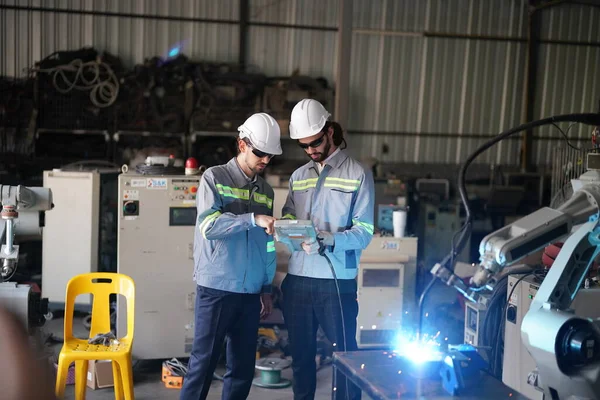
22	215
518	364
437	224
386	290
565	347
157	216
85	222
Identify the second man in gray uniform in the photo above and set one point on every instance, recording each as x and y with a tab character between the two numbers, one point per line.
337	193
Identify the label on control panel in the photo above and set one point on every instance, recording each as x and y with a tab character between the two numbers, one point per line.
156	183
138	183
131	195
390	245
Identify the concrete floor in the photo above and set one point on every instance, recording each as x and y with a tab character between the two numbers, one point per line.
148	384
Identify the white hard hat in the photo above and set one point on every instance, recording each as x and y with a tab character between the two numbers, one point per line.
308	118
263	132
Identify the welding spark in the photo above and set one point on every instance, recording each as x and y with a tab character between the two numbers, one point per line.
418	350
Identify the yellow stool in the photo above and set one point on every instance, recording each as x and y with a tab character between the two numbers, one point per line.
101	285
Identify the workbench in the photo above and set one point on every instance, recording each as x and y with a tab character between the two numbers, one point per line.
384	375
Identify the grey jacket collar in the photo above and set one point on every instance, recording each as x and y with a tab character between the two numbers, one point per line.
240	179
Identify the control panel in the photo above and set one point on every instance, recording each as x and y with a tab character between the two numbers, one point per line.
183	189
176	192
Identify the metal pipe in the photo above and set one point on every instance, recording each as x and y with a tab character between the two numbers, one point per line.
165	17
9	236
533	34
243	33
379	32
466	36
451	135
295	26
344	49
118	14
447	35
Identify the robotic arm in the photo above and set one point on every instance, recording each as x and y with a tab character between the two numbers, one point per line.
526	236
566	348
20	215
535	231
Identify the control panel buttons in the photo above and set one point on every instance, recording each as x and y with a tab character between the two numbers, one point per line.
184	191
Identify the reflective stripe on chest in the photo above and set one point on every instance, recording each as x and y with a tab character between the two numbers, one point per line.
244	194
330	182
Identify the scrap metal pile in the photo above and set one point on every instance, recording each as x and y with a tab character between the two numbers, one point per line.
89	91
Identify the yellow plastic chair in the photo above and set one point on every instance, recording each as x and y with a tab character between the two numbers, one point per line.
101	285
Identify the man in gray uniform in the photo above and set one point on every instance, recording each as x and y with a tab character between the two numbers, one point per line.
234	258
337	194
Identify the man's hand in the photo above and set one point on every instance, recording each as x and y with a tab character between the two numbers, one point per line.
266	302
326	238
310	247
264	221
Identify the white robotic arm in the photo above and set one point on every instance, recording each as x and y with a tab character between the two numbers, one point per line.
565	348
21	213
534	231
21	207
525	236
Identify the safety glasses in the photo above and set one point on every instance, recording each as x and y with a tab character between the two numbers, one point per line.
314	144
258	153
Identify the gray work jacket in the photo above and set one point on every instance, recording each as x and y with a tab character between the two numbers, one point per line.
231	253
339	200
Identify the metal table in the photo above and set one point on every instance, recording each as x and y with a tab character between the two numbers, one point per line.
384	375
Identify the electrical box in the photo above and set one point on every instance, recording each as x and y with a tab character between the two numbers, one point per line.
517	363
80	234
474	315
157	217
386	290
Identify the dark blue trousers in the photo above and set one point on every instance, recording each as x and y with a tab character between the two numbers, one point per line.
308	303
223	315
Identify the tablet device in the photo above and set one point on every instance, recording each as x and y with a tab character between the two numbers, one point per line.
293	232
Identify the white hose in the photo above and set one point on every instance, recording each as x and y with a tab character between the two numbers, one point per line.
104	92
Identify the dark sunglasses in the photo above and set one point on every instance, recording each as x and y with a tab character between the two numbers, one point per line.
258	153
314	144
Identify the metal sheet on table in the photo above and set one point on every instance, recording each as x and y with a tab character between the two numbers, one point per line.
384	375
